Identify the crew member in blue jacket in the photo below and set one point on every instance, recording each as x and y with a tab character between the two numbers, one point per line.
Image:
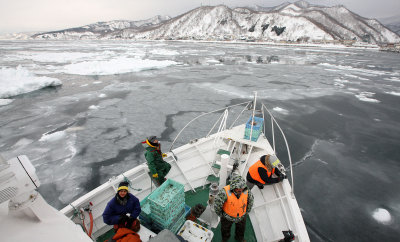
122	211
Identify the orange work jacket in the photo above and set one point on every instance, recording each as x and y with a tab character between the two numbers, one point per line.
235	207
126	235
253	170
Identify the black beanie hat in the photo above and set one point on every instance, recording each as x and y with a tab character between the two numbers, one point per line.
152	140
262	159
123	185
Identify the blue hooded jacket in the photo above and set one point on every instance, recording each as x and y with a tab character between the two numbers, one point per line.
114	210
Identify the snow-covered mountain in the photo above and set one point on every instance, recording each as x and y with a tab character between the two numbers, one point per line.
393	23
16	36
288	22
101	30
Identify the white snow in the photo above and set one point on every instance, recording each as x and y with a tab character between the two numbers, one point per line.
393	79
366	97
382	216
5	101
115	66
272	93
356	77
359	70
53	136
61	57
393	93
281	110
102	95
16	81
164	52
93	107
22	142
340	82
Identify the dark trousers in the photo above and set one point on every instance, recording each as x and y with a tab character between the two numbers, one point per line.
162	172
226	229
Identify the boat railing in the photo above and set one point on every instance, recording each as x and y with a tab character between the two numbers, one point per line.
223	117
273	121
222	125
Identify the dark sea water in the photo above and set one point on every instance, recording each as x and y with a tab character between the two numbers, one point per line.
339	109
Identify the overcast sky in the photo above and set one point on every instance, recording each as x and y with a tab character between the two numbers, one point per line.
45	15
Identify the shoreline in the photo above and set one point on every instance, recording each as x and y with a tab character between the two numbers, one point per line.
308	45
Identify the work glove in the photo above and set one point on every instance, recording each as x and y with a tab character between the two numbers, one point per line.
123	219
281	177
155	175
164	155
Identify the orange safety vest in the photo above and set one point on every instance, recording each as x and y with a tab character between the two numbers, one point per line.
235	207
253	170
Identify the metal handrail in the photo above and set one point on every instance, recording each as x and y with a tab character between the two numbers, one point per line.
273	120
287	145
218	110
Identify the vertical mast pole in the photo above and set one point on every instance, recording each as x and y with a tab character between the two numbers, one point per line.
252	116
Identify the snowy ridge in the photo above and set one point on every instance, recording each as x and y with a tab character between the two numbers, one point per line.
393	23
288	22
100	29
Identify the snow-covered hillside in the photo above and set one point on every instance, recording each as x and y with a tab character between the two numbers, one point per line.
288	22
101	30
393	23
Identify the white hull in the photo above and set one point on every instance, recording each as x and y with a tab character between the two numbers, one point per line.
275	208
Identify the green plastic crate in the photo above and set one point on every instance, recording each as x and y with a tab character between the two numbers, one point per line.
166	218
176	224
167	196
167	224
145	214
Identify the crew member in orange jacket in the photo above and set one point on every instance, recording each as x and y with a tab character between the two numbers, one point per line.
263	173
128	235
232	204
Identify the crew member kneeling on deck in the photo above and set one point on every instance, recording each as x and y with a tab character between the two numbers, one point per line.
128	235
154	157
122	211
232	204
260	173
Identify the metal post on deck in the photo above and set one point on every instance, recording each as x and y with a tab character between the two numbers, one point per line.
252	116
223	172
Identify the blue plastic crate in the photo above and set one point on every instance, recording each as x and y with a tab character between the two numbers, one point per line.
173	225
178	224
145	214
167	196
257	128
166	218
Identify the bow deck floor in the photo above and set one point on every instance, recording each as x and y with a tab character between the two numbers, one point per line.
193	198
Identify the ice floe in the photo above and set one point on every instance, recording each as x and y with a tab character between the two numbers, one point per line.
19	80
393	93
5	101
93	107
62	57
164	52
366	97
382	216
281	110
354	69
115	66
53	136
392	79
